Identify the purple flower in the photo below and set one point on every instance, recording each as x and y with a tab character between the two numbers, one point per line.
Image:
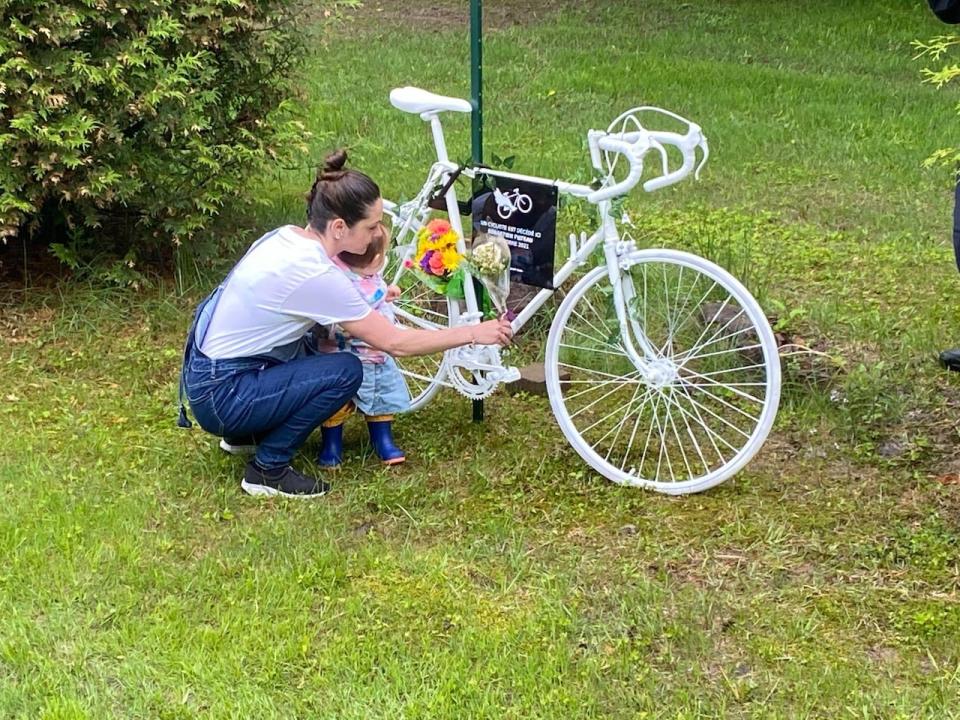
425	261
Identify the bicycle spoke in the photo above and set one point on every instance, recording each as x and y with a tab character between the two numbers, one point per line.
626	417
595	351
710	432
666	312
605	343
663	445
714	383
723	402
686	299
694	352
596	385
646	445
588	370
676	434
737	349
693	439
699	303
602	397
721	419
599	318
741	368
714	338
587	429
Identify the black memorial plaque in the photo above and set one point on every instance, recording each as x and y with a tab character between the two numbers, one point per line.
524	214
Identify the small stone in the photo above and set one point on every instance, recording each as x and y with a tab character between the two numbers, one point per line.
891	448
628	530
533	380
363	528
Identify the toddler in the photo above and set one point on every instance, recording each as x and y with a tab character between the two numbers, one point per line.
383	391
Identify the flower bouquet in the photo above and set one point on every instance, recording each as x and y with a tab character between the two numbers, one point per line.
441	267
436	261
489	262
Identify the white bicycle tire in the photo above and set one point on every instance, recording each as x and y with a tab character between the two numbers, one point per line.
771	366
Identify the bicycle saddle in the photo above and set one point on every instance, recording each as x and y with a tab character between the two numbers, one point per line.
415	100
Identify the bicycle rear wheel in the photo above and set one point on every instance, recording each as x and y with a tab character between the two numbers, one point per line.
418	307
708	402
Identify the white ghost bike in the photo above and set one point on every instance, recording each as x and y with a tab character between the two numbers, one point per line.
662	370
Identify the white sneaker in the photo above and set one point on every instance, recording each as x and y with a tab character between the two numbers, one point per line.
237	449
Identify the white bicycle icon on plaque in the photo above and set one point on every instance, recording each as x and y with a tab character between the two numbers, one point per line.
510	202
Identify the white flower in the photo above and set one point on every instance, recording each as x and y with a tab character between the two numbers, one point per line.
489	259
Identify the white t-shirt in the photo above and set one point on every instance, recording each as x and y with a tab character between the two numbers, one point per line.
275	295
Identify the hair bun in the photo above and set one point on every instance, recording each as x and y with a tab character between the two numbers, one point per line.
333	165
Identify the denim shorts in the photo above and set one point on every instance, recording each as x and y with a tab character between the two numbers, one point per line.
383	390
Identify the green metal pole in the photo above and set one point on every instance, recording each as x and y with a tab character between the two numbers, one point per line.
476	77
476	99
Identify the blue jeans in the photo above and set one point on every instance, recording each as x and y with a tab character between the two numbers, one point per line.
278	403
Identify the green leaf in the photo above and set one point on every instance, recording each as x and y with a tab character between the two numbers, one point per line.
455	285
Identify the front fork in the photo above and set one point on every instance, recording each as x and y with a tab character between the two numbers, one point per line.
624	294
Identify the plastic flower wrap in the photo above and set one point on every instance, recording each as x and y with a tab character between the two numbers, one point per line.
490	263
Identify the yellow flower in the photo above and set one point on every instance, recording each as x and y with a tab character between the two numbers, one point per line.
451	258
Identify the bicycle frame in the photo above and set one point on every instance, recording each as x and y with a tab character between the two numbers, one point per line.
410	215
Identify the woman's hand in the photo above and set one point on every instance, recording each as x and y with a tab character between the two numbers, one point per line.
378	332
493	332
393	292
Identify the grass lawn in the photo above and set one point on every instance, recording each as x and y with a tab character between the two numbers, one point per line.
494	575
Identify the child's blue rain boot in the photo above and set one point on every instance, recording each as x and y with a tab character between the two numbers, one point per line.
331	432
381	437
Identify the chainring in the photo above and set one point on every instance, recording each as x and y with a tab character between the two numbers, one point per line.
476	372
477	388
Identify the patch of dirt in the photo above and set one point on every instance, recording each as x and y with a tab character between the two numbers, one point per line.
23	265
447	14
18	326
883	655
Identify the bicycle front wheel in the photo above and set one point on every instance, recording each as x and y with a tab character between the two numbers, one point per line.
700	409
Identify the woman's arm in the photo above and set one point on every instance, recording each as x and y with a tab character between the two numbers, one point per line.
378	332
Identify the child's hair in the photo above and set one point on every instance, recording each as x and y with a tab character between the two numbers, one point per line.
339	193
376	253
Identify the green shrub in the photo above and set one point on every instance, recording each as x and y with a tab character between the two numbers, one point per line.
938	50
139	120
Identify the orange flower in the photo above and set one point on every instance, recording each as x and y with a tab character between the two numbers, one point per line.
438	226
436	264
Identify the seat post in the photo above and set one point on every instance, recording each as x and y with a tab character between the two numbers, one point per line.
438	141
453	212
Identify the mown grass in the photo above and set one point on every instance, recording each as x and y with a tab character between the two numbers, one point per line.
493	575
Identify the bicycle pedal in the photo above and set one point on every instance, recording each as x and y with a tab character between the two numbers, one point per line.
510	374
